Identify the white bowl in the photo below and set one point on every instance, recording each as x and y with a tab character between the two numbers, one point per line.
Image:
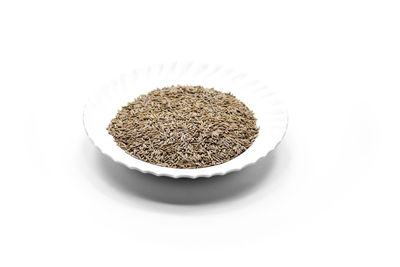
268	109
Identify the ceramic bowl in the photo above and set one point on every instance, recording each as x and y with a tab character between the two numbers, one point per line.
268	109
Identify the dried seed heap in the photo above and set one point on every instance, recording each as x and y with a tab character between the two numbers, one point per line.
184	127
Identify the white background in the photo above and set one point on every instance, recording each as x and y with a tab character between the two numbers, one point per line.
328	196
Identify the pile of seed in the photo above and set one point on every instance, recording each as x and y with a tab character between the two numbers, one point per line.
184	127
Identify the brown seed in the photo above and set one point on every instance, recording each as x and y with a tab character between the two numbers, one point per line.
184	127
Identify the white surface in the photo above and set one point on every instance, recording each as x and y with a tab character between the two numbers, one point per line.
269	110
329	196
